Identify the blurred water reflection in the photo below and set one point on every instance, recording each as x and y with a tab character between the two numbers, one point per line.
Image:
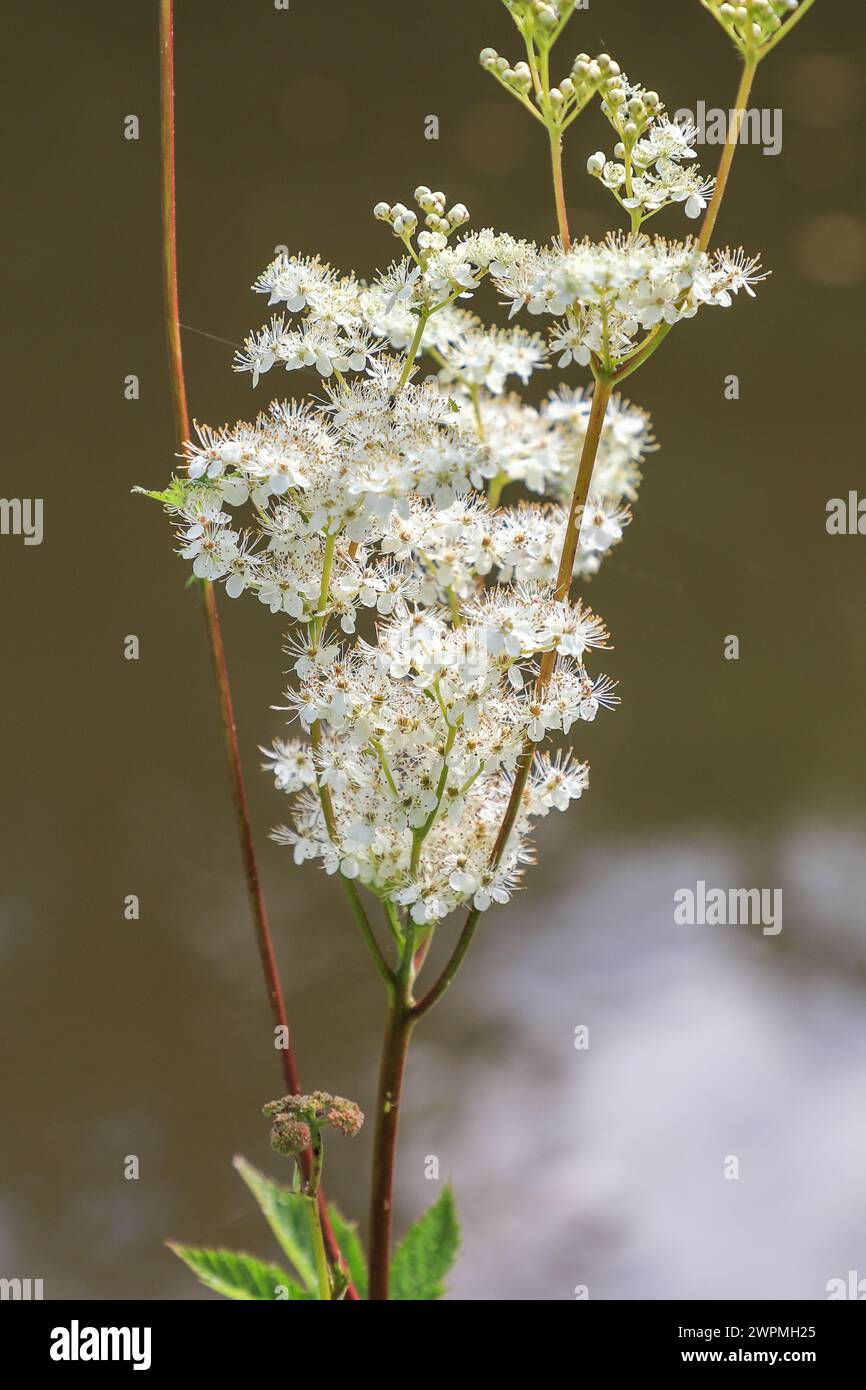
605	1167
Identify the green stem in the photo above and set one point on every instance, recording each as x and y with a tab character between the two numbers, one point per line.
435	993
645	351
419	836
380	753
413	349
494	491
475	393
393	920
327	567
311	1202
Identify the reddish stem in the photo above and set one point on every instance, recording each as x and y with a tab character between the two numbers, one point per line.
264	939
389	1098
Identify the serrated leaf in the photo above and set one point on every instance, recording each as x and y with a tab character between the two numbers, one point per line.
350	1248
239	1276
174	495
285	1214
427	1253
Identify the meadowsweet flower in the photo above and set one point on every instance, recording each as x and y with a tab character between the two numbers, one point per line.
616	290
651	166
420	732
296	281
540	447
486	357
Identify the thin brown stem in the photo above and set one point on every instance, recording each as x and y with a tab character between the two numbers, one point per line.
582	483
264	939
559	186
727	158
398	1031
595	425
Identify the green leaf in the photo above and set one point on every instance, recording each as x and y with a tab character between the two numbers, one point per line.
427	1253
174	495
350	1248
239	1276
285	1214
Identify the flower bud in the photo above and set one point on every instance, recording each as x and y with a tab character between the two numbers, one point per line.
345	1116
289	1136
405	221
595	164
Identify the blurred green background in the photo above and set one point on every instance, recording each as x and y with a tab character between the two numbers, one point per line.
153	1037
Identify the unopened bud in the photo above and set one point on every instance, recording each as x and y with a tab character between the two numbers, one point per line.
289	1136
345	1116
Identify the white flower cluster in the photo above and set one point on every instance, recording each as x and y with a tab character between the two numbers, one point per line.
342	323
397	483
420	734
383	495
540	447
650	168
611	292
453	548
